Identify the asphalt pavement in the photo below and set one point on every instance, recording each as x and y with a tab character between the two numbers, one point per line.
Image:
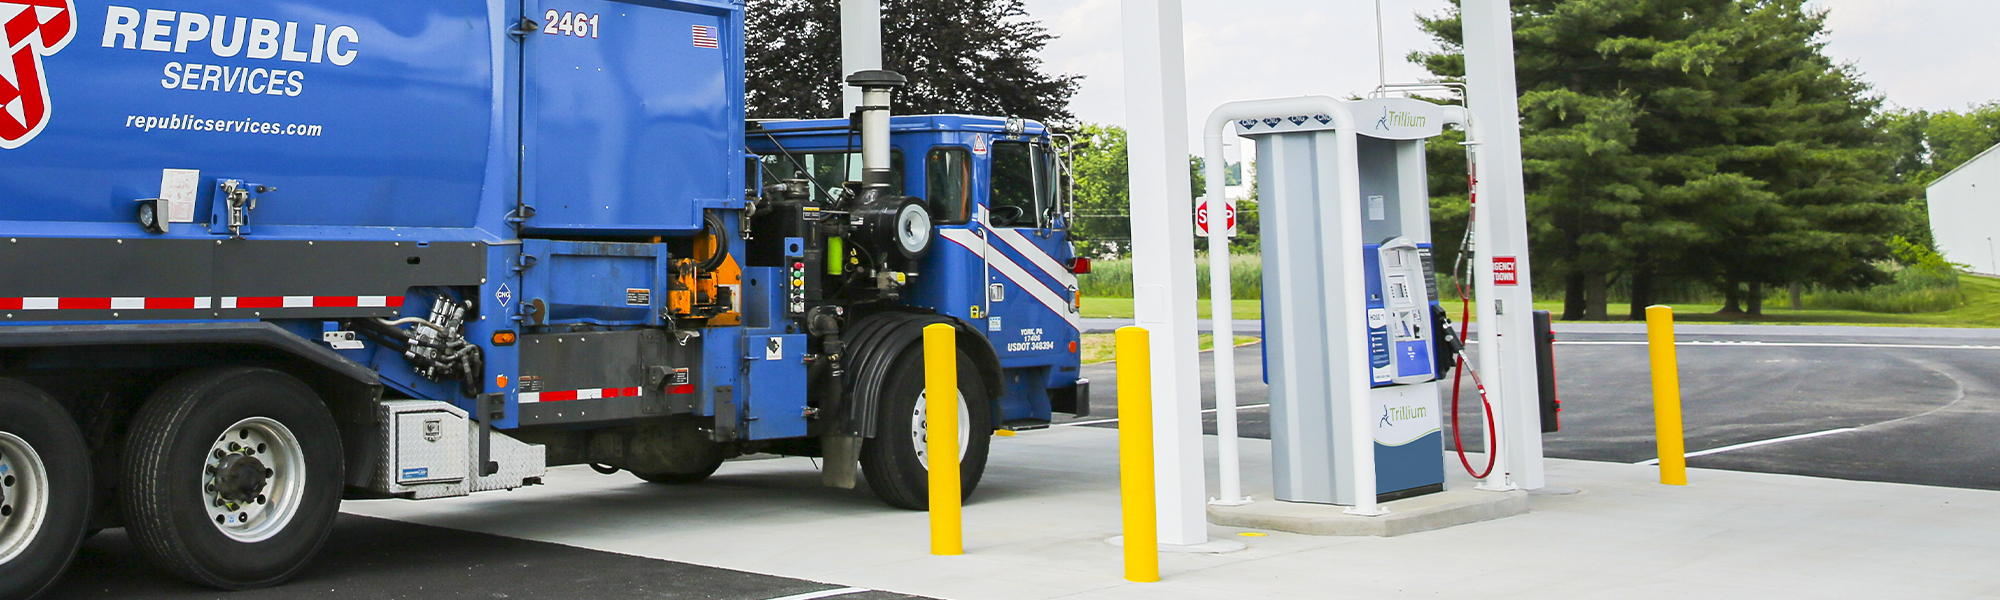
1896	405
1889	404
380	559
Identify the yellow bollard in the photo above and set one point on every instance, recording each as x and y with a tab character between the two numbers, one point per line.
941	438
1135	455
1666	395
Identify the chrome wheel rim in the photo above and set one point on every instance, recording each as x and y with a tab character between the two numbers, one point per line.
24	496
253	479
920	426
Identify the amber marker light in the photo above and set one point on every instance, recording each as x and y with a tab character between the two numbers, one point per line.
503	338
500	382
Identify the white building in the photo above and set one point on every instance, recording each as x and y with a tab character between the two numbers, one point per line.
1965	213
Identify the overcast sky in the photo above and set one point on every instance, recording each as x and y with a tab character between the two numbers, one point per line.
1931	54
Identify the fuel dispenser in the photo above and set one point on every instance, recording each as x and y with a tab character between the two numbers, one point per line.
1306	163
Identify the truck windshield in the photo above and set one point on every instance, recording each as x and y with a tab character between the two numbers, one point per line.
828	170
1020	196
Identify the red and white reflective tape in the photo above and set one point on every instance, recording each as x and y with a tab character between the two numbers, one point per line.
312	301
199	302
589	394
44	303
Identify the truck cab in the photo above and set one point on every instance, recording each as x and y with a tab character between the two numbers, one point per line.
998	195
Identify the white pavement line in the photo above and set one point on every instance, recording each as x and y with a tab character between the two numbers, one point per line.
825	594
1782	345
1741	446
1203	411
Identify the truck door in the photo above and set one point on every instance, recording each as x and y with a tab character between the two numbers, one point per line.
631	115
1031	293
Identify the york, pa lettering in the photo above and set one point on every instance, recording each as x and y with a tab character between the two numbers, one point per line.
255	39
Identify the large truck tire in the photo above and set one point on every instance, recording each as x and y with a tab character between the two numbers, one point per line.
233	477
895	461
45	490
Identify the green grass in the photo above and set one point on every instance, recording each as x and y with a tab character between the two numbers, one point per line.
1101	347
1113	278
1121	308
1981	309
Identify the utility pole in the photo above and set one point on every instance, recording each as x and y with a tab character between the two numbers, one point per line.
1163	258
1489	75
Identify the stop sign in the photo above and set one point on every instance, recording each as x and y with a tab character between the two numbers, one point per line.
1201	218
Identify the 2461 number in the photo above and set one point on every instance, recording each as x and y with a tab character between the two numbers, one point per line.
570	24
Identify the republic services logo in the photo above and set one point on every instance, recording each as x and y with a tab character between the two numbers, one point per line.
29	30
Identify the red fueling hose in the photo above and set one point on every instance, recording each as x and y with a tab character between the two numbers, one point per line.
1464	330
1457	437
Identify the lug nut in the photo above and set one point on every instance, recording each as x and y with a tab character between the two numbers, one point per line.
209	487
269	473
233	447
242	517
218	454
261	499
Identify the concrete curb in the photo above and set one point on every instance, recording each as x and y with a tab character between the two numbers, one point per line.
1406	516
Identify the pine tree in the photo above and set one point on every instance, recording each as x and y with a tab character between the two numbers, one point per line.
961	56
1703	140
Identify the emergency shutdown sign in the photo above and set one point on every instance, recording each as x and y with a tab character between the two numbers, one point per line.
1201	218
1505	271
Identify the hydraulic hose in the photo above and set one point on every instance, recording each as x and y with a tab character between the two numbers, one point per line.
713	223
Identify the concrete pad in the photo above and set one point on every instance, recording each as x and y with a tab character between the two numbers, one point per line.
1454	506
1037	527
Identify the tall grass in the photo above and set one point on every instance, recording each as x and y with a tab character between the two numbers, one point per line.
1113	278
1916	289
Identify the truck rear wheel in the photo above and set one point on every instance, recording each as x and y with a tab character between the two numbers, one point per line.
895	460
44	490
232	477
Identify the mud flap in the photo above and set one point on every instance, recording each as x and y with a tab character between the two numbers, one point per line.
842	456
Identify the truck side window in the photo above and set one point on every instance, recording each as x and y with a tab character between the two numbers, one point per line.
1020	185
828	170
949	183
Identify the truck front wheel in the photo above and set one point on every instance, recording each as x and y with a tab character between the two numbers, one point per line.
896	461
232	477
44	490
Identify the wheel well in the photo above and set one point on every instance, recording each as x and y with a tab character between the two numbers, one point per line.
877	340
103	386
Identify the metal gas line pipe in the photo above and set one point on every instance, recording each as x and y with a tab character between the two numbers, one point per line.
1343	218
1485	298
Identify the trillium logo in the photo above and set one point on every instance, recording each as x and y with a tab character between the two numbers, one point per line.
29	30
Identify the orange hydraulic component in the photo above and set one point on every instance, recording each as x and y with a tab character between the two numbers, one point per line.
711	295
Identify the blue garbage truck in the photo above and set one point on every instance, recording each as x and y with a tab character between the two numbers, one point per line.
260	256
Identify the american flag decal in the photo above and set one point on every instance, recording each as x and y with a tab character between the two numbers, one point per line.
705	37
